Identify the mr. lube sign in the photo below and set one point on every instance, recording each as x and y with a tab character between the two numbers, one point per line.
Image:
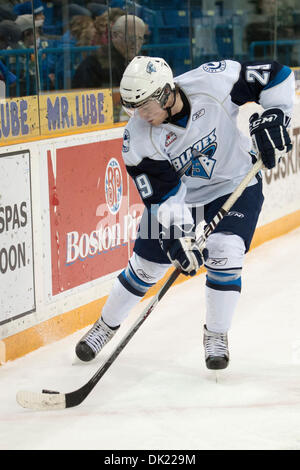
34	116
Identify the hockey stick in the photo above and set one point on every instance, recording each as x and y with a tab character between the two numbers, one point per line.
229	203
50	400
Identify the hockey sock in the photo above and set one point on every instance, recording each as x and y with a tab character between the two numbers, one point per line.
118	304
111	327
130	287
220	306
223	279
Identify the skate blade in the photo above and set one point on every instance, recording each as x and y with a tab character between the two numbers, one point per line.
216	375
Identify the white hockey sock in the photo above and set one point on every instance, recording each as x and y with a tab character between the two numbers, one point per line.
223	279
118	304
130	287
220	307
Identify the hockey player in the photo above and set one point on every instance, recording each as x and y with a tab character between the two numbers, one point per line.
184	150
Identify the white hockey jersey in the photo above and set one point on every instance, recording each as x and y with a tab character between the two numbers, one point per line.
163	160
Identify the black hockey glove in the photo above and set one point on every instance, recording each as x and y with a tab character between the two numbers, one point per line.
270	136
184	253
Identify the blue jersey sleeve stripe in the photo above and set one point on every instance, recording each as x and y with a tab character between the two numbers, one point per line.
154	207
170	193
280	77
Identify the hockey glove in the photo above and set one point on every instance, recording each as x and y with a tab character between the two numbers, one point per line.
184	254
270	136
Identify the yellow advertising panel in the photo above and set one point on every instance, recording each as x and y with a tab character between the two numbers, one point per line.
19	118
53	114
82	110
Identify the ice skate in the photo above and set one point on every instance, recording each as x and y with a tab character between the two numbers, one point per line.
94	340
216	349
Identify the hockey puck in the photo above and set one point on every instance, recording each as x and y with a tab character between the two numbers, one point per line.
49	391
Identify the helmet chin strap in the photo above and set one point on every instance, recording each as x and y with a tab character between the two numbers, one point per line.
169	108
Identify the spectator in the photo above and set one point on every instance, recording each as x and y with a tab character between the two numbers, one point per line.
81	32
7	79
6	13
103	24
127	36
5	75
27	71
25	8
10	34
38	12
25	22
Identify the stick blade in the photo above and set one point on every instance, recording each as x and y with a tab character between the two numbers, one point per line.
41	401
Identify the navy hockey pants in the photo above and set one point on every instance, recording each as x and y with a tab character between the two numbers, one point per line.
241	220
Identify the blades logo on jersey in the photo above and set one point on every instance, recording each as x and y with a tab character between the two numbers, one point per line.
202	163
197	161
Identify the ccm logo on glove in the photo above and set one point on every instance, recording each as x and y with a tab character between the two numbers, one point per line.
270	136
262	120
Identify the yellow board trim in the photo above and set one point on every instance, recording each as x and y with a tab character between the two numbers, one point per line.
53	115
59	327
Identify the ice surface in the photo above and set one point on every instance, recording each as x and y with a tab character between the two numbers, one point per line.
158	394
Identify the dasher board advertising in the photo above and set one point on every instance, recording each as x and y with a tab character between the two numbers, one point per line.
92	222
17	295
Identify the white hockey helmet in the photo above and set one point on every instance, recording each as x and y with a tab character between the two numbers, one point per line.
144	79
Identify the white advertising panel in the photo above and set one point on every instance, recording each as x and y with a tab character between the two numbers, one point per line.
17	295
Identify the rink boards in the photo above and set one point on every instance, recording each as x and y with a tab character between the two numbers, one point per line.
68	220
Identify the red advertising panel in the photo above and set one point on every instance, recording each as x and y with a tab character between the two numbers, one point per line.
91	222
